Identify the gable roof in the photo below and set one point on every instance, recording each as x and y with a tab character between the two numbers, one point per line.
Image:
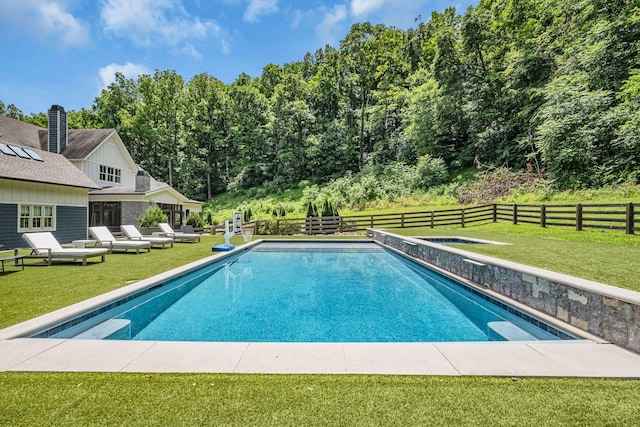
81	142
155	186
58	169
20	133
54	169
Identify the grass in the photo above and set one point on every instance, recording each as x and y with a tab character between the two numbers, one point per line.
312	400
222	399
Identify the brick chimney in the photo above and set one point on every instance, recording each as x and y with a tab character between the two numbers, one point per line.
57	129
143	182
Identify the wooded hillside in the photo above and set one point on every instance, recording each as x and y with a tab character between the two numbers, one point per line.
551	83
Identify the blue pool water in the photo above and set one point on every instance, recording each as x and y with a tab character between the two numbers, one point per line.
335	293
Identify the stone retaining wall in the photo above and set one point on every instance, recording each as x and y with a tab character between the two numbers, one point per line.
608	312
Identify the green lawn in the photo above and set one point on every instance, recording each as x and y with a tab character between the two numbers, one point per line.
76	399
212	399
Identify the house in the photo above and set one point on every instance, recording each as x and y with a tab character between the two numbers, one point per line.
88	169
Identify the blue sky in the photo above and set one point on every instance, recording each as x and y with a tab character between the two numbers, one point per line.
65	51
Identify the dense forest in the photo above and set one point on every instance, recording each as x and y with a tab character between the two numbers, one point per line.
552	86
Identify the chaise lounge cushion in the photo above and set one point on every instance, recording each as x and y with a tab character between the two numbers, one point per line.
106	239
132	233
178	236
45	245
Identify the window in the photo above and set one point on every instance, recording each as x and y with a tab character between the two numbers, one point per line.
37	218
105	213
110	174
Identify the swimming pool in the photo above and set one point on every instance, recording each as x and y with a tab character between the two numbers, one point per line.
456	240
308	292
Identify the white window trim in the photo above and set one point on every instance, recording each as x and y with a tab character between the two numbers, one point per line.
110	174
31	228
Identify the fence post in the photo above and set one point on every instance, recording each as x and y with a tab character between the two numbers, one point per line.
543	215
277	227
341	224
495	212
431	219
630	219
402	220
371	221
462	217
515	214
578	217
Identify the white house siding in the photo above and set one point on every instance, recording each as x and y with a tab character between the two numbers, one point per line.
13	192
164	197
192	207
110	153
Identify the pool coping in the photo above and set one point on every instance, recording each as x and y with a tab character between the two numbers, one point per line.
578	358
470	240
540	359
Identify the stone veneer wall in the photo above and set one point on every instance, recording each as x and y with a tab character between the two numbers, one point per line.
131	211
608	312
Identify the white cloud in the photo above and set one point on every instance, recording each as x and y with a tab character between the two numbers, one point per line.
327	27
363	7
47	20
157	22
192	51
129	70
258	8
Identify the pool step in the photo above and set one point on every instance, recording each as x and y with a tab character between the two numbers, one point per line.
508	331
109	329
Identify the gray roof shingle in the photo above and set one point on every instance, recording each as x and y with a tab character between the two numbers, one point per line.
19	133
55	169
81	141
155	186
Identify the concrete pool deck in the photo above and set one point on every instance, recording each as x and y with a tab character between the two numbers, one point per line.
579	358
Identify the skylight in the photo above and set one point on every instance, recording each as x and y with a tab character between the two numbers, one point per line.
6	150
20	152
25	153
33	154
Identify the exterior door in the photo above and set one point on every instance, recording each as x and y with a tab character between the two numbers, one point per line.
108	214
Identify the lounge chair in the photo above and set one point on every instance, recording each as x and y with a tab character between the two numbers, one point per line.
107	240
178	236
44	245
132	233
187	229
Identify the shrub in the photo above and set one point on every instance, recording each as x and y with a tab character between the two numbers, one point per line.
312	209
329	209
247	214
430	172
195	220
152	217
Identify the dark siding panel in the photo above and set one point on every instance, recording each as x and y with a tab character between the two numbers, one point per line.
9	236
71	224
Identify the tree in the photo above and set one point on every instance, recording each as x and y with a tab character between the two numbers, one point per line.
573	131
245	153
116	108
160	119
83	119
207	130
11	111
290	130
